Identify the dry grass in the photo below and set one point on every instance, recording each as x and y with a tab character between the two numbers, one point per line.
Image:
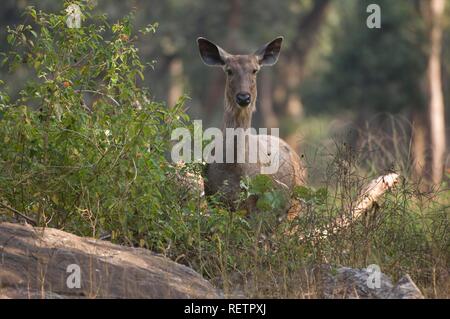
406	232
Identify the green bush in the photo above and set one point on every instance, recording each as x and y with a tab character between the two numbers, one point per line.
83	147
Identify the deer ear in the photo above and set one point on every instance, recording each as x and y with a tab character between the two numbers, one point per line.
211	54
268	53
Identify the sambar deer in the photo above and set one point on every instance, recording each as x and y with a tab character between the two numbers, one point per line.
240	101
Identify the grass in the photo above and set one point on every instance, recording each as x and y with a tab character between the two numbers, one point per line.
407	232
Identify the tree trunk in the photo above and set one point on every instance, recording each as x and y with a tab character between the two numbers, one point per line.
434	90
216	88
291	70
419	146
175	81
303	42
294	75
266	100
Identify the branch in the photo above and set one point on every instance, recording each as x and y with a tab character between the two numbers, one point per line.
15	211
100	93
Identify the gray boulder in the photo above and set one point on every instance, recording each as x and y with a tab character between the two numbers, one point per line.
349	283
43	263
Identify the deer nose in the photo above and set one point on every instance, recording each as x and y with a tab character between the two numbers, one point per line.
243	99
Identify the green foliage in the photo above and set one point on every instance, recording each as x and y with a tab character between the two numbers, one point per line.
269	199
372	70
83	147
309	195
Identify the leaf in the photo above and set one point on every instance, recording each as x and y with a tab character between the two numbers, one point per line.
303	192
10	38
321	195
260	184
141	75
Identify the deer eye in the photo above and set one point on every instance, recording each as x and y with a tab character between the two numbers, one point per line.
229	72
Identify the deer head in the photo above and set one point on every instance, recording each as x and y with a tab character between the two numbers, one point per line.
241	71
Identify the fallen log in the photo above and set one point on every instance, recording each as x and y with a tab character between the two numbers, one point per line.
368	197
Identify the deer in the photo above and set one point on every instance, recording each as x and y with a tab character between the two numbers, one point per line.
225	178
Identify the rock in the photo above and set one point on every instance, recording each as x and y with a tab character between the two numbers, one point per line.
34	264
406	289
349	283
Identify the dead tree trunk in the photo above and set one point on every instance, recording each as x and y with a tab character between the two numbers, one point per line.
367	198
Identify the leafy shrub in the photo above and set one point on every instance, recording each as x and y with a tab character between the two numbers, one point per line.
83	147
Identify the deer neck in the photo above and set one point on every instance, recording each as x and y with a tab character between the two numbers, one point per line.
235	117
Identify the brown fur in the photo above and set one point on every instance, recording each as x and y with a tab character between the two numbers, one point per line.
225	178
